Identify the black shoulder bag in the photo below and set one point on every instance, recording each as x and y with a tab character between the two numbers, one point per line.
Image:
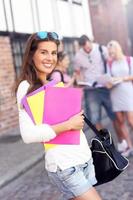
108	162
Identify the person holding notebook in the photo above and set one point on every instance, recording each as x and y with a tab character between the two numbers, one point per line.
70	167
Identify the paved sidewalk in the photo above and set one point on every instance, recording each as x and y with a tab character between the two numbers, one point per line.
17	157
35	185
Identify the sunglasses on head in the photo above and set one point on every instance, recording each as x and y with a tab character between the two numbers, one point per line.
45	35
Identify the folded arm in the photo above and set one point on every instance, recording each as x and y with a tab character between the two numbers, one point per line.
42	133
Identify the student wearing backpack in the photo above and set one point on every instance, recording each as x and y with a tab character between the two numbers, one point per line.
120	67
89	63
60	72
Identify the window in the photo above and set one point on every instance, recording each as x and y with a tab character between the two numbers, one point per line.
78	2
18	46
45	15
3	25
22	16
64	10
79	20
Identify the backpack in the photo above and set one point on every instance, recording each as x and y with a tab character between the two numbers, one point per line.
103	58
128	62
104	63
61	75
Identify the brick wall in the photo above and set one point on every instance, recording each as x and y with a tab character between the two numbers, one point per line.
8	108
109	22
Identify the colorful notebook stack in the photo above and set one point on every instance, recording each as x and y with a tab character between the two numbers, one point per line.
53	104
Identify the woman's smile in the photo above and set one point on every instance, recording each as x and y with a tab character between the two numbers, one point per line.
48	65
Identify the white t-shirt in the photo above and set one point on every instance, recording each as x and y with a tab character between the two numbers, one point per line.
63	156
90	64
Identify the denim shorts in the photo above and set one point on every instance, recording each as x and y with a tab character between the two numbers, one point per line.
74	181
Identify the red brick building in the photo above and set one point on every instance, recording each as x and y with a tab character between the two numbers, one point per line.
109	22
8	114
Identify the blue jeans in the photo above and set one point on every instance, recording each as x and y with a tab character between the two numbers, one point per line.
94	100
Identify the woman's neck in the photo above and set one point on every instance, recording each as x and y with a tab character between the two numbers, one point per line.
43	79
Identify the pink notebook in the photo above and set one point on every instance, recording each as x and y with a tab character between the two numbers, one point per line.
60	105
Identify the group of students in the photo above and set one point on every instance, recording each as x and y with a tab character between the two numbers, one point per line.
110	74
70	167
113	92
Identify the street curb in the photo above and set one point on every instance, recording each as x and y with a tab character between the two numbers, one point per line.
21	169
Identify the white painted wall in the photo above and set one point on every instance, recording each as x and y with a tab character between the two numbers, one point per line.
64	17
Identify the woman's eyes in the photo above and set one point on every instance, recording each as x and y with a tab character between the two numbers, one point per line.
54	53
45	53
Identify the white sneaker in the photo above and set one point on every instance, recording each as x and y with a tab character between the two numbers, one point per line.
122	146
126	153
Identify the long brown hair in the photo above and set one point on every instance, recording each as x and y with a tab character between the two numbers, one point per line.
28	71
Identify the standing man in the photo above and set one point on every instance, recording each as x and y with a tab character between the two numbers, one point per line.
90	63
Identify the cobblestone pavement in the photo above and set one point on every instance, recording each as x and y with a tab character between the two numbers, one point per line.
35	185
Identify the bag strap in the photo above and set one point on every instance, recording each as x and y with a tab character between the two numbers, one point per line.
91	125
61	74
103	134
103	58
129	63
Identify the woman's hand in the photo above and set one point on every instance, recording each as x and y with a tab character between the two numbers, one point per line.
71	82
108	85
76	122
113	81
127	78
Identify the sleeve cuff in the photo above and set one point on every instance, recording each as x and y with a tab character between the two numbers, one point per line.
47	132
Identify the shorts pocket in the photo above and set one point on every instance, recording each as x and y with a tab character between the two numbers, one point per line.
90	172
67	173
